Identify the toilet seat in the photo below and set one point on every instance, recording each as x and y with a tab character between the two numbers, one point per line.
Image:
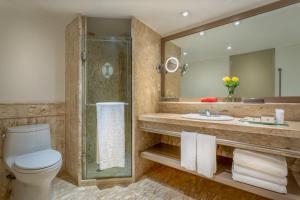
37	162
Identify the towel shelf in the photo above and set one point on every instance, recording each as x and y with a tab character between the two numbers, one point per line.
236	144
169	155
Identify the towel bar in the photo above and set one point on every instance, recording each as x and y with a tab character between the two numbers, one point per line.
236	144
93	104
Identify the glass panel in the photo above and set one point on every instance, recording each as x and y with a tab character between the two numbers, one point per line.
107	79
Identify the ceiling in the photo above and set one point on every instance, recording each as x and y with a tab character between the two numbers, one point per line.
162	16
279	28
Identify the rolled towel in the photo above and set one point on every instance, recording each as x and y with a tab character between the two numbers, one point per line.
259	183
266	163
260	175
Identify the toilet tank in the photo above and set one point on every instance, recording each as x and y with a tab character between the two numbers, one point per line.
26	139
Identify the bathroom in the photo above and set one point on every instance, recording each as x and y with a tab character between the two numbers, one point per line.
163	100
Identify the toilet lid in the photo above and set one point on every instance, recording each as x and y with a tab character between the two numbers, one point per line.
38	160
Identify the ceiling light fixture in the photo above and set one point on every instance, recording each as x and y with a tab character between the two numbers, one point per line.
229	48
202	33
185	13
185	53
237	23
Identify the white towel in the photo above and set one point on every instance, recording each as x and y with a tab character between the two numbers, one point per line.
188	150
266	163
259	183
110	135
260	175
206	155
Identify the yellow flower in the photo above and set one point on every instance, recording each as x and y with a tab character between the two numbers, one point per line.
226	79
235	79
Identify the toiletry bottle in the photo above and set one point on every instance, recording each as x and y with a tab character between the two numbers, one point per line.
279	116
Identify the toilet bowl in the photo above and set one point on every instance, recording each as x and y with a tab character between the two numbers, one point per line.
29	157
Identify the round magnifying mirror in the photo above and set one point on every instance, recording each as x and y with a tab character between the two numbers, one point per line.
172	64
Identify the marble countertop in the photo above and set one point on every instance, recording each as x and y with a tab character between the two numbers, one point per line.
290	131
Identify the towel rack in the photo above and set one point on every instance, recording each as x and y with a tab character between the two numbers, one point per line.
236	144
93	104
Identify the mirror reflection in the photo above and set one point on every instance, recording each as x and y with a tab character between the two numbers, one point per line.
263	52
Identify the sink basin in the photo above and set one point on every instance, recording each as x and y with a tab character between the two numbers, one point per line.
208	118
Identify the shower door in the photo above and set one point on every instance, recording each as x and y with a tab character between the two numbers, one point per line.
106	78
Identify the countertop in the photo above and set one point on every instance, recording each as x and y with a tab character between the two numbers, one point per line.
290	131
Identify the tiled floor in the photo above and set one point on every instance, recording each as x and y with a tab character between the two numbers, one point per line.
162	183
145	189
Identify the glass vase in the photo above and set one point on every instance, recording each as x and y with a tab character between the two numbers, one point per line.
230	97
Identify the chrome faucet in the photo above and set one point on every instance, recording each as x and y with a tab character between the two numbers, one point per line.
205	112
208	113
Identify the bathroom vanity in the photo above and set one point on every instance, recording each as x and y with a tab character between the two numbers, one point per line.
277	140
251	57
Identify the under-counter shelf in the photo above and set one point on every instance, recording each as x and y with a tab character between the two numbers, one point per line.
235	144
169	155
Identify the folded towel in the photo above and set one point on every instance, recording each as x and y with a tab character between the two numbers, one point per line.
266	163
206	155
209	99
259	183
110	135
260	175
188	150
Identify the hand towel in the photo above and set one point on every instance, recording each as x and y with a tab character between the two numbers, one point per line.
260	175
259	183
110	135
206	155
188	150
209	99
266	163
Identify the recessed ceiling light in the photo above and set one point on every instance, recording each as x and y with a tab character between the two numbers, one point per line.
202	33
185	53
229	48
185	13
237	23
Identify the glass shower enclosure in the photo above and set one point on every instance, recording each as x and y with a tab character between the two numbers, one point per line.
106	78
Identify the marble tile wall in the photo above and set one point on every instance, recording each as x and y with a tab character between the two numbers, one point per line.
73	85
146	88
23	114
173	80
114	87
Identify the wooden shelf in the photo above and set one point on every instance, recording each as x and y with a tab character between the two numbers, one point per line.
169	155
236	144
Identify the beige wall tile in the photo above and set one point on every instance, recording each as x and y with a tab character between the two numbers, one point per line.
146	88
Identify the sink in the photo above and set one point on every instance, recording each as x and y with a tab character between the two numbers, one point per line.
208	118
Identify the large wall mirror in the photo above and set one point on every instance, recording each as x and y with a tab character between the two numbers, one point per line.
263	51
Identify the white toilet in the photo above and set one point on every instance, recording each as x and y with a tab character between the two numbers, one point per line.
29	157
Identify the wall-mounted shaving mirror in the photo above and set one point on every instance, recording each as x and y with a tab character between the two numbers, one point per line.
263	51
171	64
